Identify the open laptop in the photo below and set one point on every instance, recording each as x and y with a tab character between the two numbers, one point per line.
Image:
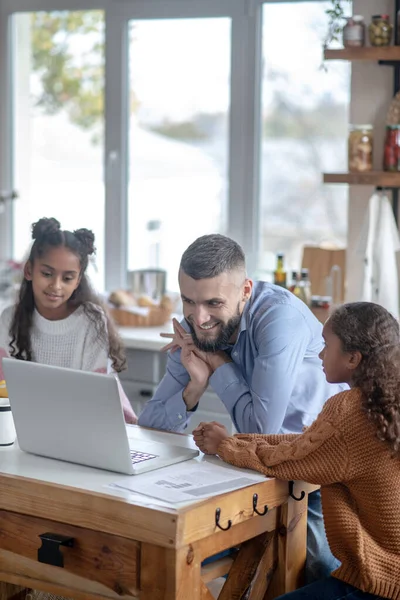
77	417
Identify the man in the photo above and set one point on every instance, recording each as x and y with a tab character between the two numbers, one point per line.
257	346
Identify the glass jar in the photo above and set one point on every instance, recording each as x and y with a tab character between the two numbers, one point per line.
360	146
391	155
380	31
354	32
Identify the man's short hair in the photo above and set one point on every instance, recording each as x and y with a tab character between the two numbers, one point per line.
211	255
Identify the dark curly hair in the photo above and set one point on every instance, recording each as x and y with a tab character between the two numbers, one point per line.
47	233
371	330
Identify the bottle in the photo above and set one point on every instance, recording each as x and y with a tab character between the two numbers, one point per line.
294	284
360	148
391	160
380	30
280	273
354	32
305	287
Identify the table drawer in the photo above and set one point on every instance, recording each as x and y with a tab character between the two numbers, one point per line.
93	556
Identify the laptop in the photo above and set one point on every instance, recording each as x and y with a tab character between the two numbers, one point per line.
77	417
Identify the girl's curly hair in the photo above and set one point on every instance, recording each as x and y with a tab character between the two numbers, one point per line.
47	233
371	330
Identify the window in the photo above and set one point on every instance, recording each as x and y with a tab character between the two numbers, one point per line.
182	144
304	133
178	138
58	124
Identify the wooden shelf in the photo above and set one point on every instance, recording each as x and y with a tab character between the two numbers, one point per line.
375	178
387	53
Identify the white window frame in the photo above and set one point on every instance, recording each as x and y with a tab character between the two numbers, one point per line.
245	114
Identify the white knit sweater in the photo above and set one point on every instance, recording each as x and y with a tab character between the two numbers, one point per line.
71	343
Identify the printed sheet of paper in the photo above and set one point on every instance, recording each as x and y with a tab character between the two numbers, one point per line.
188	481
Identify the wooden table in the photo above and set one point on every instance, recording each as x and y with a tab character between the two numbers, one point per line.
127	545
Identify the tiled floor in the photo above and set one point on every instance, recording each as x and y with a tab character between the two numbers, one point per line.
216	586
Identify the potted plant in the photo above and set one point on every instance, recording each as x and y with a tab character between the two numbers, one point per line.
336	15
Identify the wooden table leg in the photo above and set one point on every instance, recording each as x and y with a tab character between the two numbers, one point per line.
12	592
170	574
292	548
252	569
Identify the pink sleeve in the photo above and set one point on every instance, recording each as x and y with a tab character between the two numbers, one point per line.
3	353
129	413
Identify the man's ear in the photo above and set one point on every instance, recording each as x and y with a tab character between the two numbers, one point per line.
28	271
247	289
354	360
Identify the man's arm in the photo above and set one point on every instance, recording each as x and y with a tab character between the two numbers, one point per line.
167	409
281	337
181	388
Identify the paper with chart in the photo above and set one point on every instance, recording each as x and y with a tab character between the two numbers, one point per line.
188	481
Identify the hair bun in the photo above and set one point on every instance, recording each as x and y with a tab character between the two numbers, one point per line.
86	238
45	227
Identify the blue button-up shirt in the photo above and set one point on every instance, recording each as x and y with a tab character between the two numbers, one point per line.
275	382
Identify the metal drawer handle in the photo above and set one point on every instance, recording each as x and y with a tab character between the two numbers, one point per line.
146	393
49	552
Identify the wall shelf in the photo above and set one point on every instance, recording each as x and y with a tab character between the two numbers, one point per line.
390	56
367	53
375	178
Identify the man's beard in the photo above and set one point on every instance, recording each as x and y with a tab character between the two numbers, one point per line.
225	334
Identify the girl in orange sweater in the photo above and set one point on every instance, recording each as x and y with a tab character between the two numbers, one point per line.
352	450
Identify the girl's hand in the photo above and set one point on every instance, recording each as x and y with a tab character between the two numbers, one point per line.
208	436
130	416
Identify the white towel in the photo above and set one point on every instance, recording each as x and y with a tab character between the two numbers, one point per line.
377	247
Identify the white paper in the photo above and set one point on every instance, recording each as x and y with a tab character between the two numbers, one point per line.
189	481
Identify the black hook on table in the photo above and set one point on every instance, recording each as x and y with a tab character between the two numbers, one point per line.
255	509
217	523
291	487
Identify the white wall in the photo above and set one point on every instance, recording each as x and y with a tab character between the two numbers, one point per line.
371	94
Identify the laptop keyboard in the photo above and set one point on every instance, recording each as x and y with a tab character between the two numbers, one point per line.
138	457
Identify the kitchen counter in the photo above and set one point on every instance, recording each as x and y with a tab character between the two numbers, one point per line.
145	338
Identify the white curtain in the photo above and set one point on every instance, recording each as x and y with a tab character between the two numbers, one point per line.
376	251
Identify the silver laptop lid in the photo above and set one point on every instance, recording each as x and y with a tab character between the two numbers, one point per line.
68	415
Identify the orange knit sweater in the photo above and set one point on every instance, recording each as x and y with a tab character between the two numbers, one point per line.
360	487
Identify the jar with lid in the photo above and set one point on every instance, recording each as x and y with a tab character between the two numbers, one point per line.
380	31
360	148
354	32
391	155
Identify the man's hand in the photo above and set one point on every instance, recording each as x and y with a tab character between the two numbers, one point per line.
181	338
208	436
192	359
199	370
199	365
177	337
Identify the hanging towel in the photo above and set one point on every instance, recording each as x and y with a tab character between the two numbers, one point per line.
377	247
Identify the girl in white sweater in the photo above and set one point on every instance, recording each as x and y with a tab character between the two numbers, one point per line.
58	319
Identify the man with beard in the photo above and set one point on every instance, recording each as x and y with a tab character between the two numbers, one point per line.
257	346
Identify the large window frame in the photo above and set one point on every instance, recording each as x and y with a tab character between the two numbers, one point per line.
243	221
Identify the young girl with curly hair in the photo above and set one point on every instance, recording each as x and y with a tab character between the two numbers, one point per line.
58	319
352	450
